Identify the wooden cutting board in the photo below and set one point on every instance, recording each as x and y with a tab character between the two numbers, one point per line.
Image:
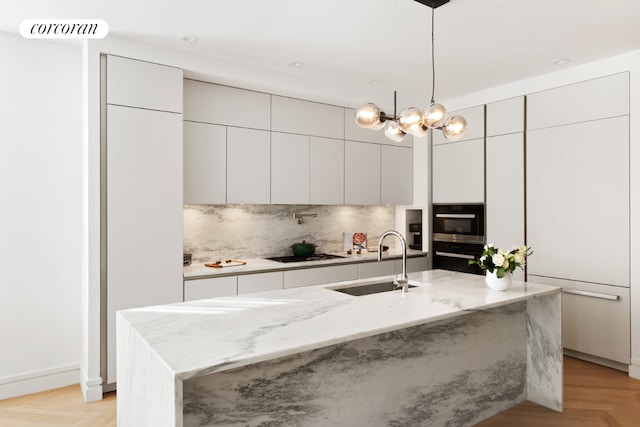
223	264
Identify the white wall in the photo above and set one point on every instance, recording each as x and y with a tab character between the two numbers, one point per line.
627	62
40	215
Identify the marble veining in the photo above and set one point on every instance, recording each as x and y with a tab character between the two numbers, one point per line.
306	318
328	358
420	376
545	351
259	231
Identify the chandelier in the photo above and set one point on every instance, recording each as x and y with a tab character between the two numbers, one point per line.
412	120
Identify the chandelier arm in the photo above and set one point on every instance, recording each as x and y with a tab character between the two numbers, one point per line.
395	112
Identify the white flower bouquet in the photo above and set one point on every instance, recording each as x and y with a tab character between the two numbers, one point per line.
502	261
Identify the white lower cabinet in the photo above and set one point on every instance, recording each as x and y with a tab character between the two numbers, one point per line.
595	318
212	287
375	269
392	266
320	275
260	282
415	264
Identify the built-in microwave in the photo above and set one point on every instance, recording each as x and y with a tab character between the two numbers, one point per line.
458	237
458	223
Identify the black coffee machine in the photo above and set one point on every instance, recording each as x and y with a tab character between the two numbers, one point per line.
416	232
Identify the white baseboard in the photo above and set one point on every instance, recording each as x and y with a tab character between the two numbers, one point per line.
634	368
597	360
34	382
91	388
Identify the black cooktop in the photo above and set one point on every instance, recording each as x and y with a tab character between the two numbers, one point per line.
293	258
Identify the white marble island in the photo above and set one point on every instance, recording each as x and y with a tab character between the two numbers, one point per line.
448	352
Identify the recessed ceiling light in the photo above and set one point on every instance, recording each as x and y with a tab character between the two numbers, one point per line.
188	39
375	82
561	61
296	64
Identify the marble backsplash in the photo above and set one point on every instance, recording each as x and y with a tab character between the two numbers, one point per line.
260	231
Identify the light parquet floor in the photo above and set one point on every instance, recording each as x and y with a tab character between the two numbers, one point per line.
60	407
594	396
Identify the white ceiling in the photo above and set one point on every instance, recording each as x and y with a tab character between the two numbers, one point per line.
345	44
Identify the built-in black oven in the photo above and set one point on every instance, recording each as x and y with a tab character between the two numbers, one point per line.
458	236
455	256
458	223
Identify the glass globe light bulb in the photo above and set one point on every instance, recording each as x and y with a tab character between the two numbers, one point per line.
455	128
435	116
394	132
368	116
410	121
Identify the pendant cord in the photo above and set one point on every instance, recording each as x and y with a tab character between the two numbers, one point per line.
395	67
433	60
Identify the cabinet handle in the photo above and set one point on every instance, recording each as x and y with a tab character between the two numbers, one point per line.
466	216
452	255
591	294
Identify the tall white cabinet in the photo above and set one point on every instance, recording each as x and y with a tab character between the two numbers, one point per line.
505	192
142	192
578	209
458	166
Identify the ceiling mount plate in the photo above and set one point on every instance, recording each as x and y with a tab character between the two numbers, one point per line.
434	4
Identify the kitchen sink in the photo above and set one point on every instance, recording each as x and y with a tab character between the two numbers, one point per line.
369	288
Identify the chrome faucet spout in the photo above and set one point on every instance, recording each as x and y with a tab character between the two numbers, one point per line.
404	280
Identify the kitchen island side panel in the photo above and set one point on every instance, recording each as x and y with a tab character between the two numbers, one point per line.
156	401
544	351
453	372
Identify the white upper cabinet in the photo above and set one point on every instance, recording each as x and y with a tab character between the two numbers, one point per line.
396	184
205	164
578	201
362	173
475	125
458	172
291	115
289	169
353	132
211	103
326	183
248	166
504	117
589	100
143	84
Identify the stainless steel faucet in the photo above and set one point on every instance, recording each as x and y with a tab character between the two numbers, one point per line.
404	280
